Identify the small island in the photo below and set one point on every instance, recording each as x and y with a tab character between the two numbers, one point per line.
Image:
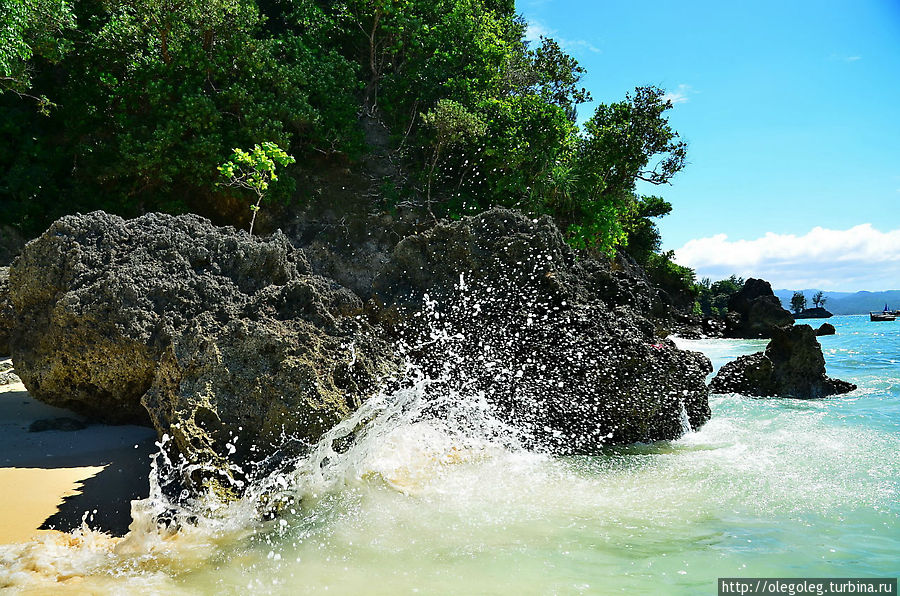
798	305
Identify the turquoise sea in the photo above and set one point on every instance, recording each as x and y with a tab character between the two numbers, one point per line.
769	487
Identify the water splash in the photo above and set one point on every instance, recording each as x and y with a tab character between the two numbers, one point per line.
685	421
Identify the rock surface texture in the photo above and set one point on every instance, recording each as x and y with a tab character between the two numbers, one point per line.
6	315
7	374
759	311
557	345
813	313
232	347
215	337
791	366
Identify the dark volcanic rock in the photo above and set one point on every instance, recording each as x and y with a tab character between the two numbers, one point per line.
229	392
93	293
557	345
521	259
6	315
825	329
759	311
239	353
791	366
352	249
221	328
813	313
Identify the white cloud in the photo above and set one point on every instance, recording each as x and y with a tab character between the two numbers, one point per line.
536	29
860	258
571	44
679	96
845	57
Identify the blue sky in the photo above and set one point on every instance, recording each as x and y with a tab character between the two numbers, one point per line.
792	114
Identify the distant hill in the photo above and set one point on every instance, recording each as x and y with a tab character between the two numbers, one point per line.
847	303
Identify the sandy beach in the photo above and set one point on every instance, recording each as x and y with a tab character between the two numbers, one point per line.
52	479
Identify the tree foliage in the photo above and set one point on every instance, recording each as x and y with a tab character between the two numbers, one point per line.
713	297
819	299
254	170
31	30
798	302
154	93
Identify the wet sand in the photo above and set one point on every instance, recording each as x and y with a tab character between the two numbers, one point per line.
50	479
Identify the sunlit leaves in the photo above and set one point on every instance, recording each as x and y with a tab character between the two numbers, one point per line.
30	28
254	170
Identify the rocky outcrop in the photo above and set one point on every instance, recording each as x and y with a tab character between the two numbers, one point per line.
791	366
502	307
825	329
236	391
759	311
6	315
7	374
232	347
813	313
352	249
224	333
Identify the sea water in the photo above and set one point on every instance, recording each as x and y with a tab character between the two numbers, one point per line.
768	487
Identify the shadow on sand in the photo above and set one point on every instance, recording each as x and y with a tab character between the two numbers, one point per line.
104	500
124	452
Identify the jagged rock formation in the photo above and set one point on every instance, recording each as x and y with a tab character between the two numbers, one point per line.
227	335
825	329
557	344
791	366
231	346
759	311
274	380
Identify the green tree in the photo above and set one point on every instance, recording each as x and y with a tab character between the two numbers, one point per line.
713	297
31	29
155	90
798	302
451	124
623	142
819	299
254	170
642	235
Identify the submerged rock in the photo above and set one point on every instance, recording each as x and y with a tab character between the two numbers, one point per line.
759	311
226	334
791	366
825	329
556	344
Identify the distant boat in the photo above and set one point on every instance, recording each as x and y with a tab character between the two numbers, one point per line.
882	316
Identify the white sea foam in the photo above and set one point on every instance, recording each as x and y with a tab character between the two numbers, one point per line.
423	488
